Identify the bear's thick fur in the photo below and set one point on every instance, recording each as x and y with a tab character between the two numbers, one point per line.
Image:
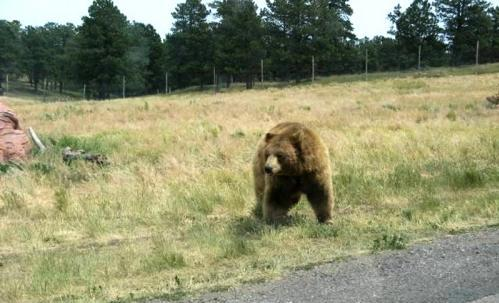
292	160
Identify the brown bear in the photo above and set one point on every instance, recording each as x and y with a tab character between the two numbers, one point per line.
292	160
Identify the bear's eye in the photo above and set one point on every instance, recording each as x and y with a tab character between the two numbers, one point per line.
281	156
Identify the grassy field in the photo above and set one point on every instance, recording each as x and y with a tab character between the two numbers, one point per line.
413	157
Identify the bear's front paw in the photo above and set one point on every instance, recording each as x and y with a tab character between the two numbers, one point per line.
328	222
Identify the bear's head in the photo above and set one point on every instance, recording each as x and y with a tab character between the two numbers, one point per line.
282	155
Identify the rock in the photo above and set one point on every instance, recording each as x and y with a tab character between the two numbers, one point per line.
14	143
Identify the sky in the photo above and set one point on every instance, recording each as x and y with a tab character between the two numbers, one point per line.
369	17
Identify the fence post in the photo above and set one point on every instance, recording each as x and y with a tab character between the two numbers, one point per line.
44	89
419	57
124	86
313	68
166	83
367	62
215	79
477	51
261	71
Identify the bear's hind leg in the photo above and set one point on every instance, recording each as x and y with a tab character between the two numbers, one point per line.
322	201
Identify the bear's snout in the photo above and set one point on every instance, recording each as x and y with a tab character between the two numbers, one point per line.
272	165
268	169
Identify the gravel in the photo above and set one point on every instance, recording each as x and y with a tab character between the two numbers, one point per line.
456	269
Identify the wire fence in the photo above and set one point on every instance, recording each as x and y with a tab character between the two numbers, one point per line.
263	75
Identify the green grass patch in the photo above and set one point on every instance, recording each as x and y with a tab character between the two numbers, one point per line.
163	259
13	201
405	86
90	144
236	247
389	242
54	272
4	168
320	231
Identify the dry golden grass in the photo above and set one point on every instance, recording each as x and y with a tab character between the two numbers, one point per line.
170	216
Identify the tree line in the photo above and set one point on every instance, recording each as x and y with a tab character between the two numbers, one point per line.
230	40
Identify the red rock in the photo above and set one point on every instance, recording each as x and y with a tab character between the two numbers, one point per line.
14	143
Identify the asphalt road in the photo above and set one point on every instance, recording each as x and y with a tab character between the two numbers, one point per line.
455	269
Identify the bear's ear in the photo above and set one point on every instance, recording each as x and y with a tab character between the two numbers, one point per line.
268	137
305	149
297	140
298	136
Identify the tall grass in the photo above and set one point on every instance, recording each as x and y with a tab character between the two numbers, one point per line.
171	215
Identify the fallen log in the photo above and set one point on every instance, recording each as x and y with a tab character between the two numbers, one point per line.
36	140
494	100
69	155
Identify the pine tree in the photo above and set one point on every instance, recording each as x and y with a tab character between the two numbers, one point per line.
190	45
491	53
416	27
137	59
103	42
10	48
155	77
466	22
288	38
61	49
145	60
333	38
36	54
381	53
300	29
238	36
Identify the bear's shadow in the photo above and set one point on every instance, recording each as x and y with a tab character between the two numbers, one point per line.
252	227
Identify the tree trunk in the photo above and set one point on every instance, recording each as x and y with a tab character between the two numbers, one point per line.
101	93
249	82
60	87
